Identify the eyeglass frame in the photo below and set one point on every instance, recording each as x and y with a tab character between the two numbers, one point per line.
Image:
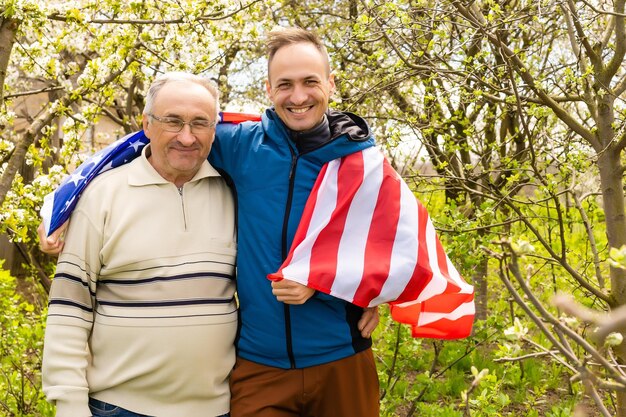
181	123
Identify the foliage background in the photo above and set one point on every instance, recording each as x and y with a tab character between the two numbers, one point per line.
506	118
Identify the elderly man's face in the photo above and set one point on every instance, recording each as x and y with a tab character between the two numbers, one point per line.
178	156
299	85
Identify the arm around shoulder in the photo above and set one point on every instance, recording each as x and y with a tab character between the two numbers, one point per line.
53	244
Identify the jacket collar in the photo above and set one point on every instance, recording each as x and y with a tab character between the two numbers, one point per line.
308	140
334	124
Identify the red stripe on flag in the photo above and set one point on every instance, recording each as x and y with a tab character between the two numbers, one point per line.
305	222
446	329
448	301
381	238
323	266
442	259
442	329
228	117
408	314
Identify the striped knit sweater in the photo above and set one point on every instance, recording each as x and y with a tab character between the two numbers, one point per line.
142	311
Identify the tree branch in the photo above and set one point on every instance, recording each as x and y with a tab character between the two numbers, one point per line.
513	267
525	74
617	58
33	92
44	119
599	11
212	17
28	257
562	261
590	236
593	55
552	353
518	299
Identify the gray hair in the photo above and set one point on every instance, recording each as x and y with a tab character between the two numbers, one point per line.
164	78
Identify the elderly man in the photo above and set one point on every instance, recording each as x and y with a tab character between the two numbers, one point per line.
142	317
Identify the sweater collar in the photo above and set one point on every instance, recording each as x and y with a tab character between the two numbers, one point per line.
143	173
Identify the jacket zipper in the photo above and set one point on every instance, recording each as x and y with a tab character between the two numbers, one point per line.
286	308
287	311
182	203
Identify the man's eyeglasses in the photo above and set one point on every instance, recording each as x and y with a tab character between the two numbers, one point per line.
175	125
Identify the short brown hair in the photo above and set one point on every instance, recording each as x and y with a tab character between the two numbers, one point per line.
281	37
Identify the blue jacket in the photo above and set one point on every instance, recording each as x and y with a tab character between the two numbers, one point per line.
272	180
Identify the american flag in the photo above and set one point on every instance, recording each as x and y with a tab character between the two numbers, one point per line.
366	239
58	206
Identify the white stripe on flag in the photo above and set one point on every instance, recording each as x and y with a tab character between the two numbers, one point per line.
437	284
404	253
351	252
46	211
465	309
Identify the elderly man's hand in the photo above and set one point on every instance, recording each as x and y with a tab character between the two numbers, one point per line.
290	292
53	244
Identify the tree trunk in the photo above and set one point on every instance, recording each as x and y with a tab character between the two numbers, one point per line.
479	279
8	28
612	184
44	119
613	198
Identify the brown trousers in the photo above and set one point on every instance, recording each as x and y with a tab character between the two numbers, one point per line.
343	388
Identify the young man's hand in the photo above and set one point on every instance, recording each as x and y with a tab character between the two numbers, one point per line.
368	322
53	244
291	292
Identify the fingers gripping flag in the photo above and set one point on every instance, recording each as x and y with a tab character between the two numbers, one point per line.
58	206
366	239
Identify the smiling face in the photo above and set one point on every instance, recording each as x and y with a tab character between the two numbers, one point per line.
299	85
177	157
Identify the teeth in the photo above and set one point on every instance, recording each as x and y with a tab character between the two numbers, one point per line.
299	110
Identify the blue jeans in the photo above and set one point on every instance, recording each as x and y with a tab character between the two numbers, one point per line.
101	409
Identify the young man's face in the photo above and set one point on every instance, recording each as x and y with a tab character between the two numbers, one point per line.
178	155
299	85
